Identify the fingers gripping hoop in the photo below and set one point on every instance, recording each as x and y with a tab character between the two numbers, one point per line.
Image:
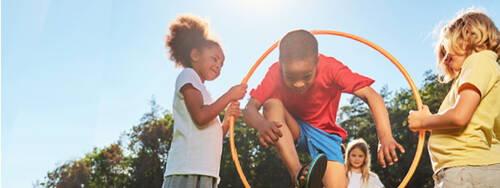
414	89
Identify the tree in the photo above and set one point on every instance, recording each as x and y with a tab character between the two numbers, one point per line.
149	144
262	167
110	167
357	121
99	168
142	162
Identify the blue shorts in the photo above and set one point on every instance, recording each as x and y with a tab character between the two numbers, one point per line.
318	141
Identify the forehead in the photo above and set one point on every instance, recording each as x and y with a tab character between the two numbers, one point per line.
297	67
357	151
213	50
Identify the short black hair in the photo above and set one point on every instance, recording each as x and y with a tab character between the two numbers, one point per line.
298	45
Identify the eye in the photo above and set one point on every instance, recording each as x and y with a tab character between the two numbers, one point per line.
448	59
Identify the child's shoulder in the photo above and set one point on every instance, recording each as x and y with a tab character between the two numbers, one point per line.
187	73
329	62
486	58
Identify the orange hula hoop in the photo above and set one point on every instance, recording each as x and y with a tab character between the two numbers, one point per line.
414	89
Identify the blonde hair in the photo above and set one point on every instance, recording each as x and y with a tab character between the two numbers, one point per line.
365	167
471	31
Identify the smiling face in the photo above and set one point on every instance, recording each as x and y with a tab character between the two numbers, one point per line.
299	75
357	158
208	62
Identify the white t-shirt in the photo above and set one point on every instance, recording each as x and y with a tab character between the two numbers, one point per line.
193	150
355	181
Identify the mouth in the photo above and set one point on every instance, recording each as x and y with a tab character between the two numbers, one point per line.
215	72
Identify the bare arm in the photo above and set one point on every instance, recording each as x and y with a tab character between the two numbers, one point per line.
251	114
387	144
202	114
378	109
457	116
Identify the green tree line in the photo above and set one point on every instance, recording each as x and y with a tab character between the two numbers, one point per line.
138	158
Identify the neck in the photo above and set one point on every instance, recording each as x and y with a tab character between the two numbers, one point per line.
357	170
198	72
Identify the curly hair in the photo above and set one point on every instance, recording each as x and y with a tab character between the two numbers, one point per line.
471	31
187	32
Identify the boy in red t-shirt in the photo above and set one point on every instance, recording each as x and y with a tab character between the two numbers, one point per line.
300	96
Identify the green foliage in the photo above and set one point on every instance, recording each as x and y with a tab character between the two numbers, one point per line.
110	167
99	168
149	144
262	167
357	121
141	163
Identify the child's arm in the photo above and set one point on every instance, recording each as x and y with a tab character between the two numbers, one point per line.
202	114
455	117
268	131
232	110
387	144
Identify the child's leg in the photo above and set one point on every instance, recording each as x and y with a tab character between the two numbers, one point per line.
275	111
335	175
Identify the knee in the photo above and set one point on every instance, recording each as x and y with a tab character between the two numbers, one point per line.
271	104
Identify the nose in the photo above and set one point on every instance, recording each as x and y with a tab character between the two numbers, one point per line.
299	84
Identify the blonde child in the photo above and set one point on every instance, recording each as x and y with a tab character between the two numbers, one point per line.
194	156
358	166
464	144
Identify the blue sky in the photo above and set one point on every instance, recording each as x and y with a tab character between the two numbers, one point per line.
77	74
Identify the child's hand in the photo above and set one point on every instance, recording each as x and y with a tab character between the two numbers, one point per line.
269	133
416	118
233	110
387	151
237	92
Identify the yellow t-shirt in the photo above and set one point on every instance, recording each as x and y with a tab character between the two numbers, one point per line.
478	143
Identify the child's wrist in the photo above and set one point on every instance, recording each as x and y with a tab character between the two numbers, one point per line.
384	136
226	98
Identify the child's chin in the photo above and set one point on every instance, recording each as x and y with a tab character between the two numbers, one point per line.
212	78
300	91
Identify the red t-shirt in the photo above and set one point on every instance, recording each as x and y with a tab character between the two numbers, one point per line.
318	105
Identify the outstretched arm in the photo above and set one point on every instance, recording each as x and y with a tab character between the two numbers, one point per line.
457	116
251	114
387	145
202	114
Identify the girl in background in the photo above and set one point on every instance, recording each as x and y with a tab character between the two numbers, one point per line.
358	166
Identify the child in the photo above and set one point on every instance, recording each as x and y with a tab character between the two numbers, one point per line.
300	96
194	156
464	144
358	166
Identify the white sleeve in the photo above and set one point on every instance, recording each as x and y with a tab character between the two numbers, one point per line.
188	76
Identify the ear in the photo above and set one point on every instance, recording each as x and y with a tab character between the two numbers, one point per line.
195	55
